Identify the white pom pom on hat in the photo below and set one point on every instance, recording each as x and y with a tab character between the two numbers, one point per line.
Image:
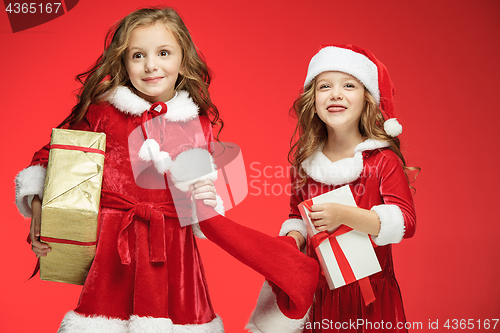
363	65
392	127
150	151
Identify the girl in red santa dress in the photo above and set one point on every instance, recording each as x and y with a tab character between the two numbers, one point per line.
149	66
348	136
148	93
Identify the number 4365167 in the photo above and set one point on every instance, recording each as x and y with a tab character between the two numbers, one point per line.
463	324
33	8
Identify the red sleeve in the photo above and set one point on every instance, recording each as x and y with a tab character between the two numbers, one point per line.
296	197
395	190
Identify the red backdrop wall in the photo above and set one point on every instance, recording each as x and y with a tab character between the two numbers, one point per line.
443	58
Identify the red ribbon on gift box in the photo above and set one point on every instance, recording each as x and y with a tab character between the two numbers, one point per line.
84	149
345	267
57	240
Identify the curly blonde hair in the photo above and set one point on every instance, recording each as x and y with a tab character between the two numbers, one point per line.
311	131
109	71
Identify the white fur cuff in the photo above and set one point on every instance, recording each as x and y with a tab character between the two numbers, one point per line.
197	231
293	225
392	225
267	317
219	208
76	323
30	181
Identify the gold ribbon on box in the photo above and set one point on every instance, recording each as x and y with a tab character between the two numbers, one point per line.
70	205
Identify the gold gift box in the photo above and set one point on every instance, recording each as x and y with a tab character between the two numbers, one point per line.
70	207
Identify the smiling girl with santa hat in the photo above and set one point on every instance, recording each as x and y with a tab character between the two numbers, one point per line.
347	135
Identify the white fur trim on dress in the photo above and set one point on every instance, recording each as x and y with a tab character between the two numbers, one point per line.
321	169
267	317
30	181
180	108
192	166
163	325
332	58
76	323
392	225
293	225
127	102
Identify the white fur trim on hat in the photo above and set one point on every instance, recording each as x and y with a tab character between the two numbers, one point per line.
30	181
164	325
392	127
321	169
293	225
392	225
192	166
76	323
339	59
267	317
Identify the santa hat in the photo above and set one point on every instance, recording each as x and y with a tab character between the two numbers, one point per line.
363	65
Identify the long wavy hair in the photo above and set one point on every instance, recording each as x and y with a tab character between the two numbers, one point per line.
109	71
311	133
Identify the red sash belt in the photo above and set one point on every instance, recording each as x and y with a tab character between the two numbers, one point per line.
152	213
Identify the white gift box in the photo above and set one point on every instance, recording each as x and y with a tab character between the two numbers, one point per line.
356	246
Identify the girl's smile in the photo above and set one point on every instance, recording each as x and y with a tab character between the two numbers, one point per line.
335	108
153	79
339	100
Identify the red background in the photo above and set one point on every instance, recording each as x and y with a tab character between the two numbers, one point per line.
443	58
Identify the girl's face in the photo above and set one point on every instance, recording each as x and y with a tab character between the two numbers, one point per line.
153	61
339	100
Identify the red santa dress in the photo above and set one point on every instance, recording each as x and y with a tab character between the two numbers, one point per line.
129	289
378	182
